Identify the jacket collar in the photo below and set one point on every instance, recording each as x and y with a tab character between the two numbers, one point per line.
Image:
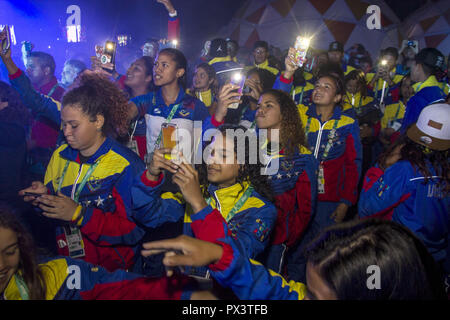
337	112
263	65
220	59
430	82
160	100
45	89
73	154
227	197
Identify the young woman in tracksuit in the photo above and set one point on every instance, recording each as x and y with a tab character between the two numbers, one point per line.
26	276
236	195
410	184
87	185
333	138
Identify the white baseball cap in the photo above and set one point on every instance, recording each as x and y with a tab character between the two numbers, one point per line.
432	129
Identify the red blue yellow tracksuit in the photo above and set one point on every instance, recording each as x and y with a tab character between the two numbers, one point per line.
426	93
109	232
354	105
250	226
248	279
70	279
391	94
399	194
295	188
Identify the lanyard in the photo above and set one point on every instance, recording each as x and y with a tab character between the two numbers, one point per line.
238	205
52	90
21	285
301	95
331	135
83	182
168	119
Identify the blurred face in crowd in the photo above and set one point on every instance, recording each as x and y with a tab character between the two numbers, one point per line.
165	70
268	115
352	86
232	49
260	55
406	88
150	49
409	53
416	71
390	61
324	93
68	74
201	79
335	56
81	132
317	288
9	256
222	165
36	71
138	75
322	59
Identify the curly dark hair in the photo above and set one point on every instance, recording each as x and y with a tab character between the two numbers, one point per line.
247	172
419	155
267	78
16	112
292	135
96	95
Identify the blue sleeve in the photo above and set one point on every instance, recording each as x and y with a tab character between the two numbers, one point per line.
385	192
36	102
250	280
151	208
281	85
201	113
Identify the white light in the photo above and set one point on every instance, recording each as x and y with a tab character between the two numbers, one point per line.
74	33
237	77
49	47
175	43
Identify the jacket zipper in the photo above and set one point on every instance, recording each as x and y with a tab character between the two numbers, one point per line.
319	138
76	181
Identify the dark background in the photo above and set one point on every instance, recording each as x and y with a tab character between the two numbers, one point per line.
43	21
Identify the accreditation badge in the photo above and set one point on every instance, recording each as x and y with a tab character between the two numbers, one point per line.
132	145
74	242
321	180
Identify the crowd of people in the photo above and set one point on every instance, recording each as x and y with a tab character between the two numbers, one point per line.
313	174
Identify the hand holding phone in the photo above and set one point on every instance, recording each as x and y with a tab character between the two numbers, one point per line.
6	40
169	139
238	79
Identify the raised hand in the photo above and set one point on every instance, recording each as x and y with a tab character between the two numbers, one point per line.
160	163
226	96
185	251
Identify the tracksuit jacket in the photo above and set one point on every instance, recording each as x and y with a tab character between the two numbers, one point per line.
399	194
426	93
391	94
248	279
109	233
70	279
251	226
295	190
342	167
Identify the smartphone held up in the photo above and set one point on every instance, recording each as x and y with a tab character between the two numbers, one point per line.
237	79
6	43
301	49
169	139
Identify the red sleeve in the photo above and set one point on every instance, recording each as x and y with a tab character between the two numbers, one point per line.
211	227
139	289
372	175
173	28
216	123
284	80
351	171
225	260
15	75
